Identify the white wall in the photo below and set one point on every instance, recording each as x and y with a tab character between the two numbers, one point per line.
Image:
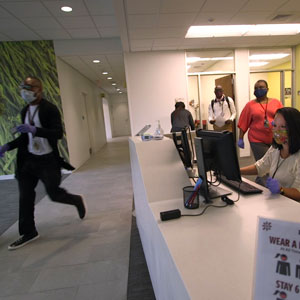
242	89
84	123
154	80
119	115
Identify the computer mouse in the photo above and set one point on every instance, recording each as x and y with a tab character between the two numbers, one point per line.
227	200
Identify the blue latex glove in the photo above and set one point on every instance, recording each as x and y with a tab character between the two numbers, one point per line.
241	143
273	185
3	149
25	128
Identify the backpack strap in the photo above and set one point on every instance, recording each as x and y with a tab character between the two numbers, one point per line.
212	105
227	100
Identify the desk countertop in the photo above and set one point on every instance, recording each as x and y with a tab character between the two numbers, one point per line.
214	254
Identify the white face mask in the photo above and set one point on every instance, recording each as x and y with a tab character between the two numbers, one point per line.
28	96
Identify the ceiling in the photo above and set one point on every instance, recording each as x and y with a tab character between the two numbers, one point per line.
105	29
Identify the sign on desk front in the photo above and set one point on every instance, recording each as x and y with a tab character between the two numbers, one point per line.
277	275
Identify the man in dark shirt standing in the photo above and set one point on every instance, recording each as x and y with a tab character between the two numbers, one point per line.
181	118
38	159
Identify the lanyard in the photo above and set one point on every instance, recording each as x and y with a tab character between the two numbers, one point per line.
265	110
30	119
221	102
279	163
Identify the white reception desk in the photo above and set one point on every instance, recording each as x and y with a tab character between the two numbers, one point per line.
210	257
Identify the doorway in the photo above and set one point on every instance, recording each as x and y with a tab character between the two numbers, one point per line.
106	115
86	123
120	119
227	84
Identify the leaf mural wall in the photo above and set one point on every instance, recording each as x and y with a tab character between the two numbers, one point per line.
17	61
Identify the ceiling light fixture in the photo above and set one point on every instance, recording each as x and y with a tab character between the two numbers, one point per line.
222	58
96	61
258	63
117	89
104	73
196	59
66	8
242	30
251	57
109	78
113	83
268	56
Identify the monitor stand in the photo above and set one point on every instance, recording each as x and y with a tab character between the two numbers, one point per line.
216	192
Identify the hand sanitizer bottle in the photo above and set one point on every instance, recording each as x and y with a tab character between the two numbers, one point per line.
159	133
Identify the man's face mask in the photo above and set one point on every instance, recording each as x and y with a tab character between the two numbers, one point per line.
280	136
259	93
28	96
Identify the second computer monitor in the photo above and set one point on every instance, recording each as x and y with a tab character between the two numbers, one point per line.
183	147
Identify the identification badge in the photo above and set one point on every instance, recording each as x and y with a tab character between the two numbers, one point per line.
36	146
266	123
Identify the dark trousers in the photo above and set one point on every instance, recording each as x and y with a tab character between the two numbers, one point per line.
46	169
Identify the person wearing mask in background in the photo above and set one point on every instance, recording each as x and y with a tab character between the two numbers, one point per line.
282	160
221	111
181	118
257	116
38	159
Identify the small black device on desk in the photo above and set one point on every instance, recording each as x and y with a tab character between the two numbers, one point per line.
244	187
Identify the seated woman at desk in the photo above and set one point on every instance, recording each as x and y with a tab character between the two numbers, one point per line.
282	160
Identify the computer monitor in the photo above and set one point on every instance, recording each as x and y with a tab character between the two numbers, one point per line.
216	151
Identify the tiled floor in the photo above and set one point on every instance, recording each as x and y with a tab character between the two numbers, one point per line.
73	258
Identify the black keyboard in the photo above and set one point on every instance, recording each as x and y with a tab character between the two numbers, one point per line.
244	187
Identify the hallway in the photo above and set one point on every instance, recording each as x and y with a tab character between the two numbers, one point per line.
73	258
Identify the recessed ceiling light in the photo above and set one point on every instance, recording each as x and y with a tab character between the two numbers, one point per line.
120	92
104	73
66	8
113	83
96	61
242	30
117	89
109	78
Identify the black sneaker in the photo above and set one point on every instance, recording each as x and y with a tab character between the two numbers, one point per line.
23	240
81	207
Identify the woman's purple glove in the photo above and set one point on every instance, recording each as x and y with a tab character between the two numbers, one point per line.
273	185
241	143
25	128
3	149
